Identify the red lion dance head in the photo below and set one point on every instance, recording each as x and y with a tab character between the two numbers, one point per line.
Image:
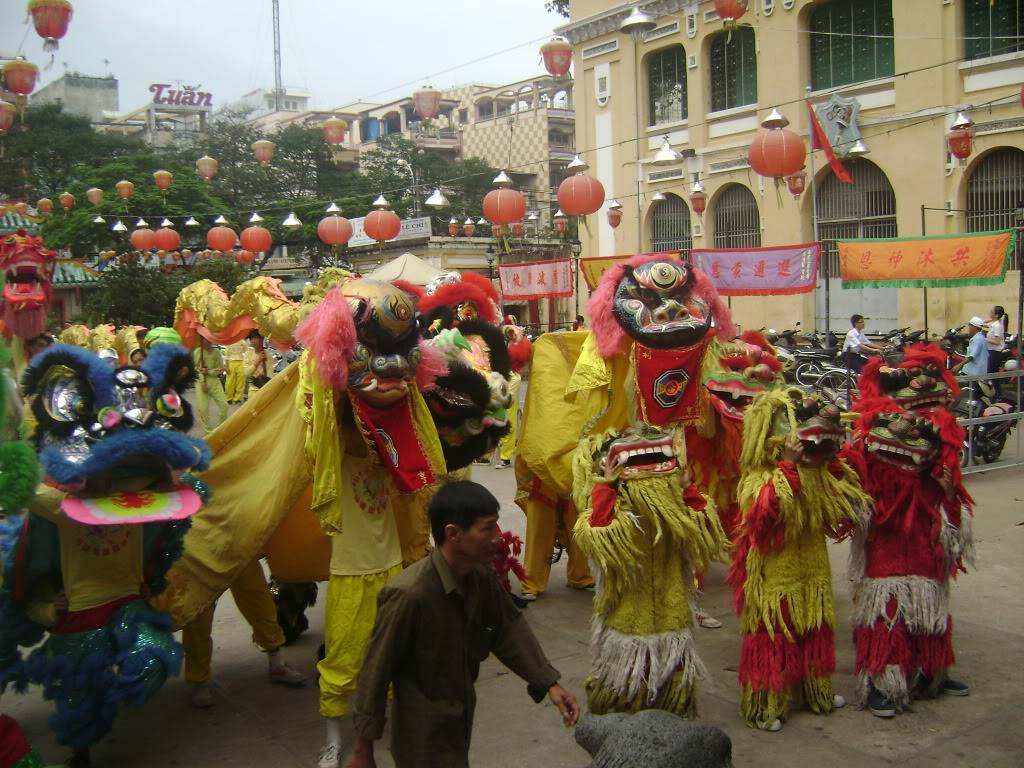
922	382
27	266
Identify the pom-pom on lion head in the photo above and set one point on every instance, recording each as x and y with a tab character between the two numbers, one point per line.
658	301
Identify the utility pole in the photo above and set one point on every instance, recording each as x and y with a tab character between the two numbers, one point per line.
277	55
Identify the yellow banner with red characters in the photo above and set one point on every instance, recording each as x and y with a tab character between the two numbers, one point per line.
942	261
595	266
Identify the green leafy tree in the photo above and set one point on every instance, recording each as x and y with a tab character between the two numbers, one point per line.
51	150
560	7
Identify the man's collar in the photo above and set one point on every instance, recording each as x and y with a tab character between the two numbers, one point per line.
448	582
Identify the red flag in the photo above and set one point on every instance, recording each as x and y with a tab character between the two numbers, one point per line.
820	141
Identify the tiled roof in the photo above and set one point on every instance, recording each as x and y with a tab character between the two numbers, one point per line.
71	273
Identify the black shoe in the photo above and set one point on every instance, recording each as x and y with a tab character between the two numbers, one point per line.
879	705
952	687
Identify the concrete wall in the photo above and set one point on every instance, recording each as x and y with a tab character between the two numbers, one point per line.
81	95
904	121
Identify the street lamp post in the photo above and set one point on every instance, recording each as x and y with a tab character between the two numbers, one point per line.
635	25
577	248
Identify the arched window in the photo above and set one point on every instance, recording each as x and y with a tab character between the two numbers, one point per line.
733	69
671	225
994	191
866	208
851	41
993	27
737	221
666	86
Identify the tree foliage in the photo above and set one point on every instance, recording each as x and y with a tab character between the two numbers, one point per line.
558	6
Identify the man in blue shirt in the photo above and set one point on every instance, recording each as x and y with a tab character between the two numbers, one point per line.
976	362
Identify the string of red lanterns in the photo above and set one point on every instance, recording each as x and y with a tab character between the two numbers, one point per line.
51	19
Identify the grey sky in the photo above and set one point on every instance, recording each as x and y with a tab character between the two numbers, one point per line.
340	50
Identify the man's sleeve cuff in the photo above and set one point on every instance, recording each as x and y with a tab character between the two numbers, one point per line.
538	688
367	726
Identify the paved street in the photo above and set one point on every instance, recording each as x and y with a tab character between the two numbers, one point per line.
262	726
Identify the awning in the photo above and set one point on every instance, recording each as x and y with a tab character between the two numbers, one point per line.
406	267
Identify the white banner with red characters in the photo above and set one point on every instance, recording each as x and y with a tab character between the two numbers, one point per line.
536	280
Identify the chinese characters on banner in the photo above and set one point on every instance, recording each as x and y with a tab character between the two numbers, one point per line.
927	262
536	280
776	271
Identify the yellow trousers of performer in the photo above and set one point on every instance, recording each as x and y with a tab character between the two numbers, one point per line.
507	445
234	384
541	532
252	596
348	623
213	391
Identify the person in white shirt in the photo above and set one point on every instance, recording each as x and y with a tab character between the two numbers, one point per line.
857	346
995	338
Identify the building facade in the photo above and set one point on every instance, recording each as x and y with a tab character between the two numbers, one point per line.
901	69
94	98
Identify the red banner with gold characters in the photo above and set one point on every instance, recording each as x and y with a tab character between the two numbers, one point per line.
942	261
536	280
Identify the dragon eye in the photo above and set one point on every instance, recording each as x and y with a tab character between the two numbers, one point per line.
61	395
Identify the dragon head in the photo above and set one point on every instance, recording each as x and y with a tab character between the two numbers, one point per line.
776	414
27	266
658	301
744	371
902	439
115	438
921	382
470	403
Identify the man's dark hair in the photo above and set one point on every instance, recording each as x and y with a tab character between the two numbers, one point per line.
854	319
460	503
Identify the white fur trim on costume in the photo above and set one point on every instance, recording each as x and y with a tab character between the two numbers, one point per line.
624	663
958	543
892	684
922	604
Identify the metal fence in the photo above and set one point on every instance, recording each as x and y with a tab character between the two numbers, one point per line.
979	427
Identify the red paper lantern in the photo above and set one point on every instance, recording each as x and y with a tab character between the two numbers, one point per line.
221	238
382	225
614	217
334	230
453	227
730	10
256	239
698	201
245	257
334	130
125	189
143	239
557	55
51	19
20	76
94	195
517	228
21	208
163	180
44	205
426	102
67	200
469	228
166	239
797	183
777	152
263	151
580	195
7	113
206	167
561	222
960	143
503	206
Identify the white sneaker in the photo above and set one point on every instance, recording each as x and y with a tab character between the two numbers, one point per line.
329	757
838	702
202	695
282	674
528	596
774	726
706	620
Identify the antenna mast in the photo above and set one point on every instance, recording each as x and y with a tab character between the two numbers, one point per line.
277	55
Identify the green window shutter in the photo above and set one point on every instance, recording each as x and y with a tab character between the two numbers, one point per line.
821	51
746	78
719	89
992	28
733	70
850	42
885	54
666	86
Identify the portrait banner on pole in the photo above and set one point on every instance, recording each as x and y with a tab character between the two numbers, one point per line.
775	271
536	280
940	261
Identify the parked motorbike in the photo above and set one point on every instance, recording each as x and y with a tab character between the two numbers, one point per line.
985	442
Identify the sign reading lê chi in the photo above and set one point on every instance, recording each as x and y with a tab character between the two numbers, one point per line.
186	96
